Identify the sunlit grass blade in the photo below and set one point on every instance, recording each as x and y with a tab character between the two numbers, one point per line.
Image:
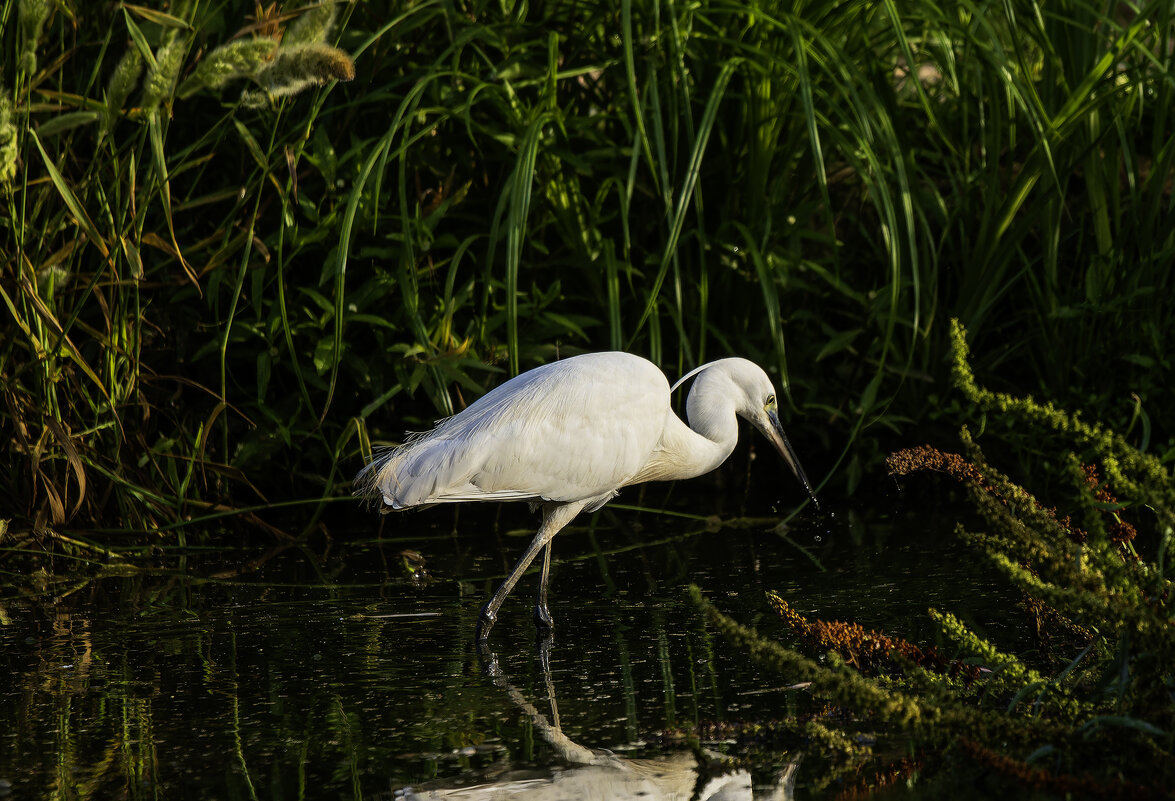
684	191
520	190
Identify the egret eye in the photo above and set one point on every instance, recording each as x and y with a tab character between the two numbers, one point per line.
770	400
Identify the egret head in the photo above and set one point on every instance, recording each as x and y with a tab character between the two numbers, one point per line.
747	386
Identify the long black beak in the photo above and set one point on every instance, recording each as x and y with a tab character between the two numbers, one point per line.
774	432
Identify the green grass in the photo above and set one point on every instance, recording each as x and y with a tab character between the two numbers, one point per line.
215	297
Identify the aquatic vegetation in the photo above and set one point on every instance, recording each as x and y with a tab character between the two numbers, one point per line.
122	82
282	61
241	58
218	254
296	68
1093	712
162	74
869	651
31	16
7	142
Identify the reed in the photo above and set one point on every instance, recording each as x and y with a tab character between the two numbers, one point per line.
236	241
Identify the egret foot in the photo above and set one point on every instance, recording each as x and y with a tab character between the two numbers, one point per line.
485	622
489	661
543	619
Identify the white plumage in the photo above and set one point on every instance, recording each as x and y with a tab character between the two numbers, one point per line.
569	435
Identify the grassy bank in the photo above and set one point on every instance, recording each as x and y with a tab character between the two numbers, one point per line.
229	263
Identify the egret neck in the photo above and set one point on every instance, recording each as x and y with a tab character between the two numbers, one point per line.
693	450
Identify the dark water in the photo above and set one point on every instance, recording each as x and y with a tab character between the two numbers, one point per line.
331	671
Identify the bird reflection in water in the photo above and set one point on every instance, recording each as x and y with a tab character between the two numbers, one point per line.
595	773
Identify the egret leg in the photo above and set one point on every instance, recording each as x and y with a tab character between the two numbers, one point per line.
555	517
545	662
542	613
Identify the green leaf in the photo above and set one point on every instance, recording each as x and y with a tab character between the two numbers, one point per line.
324	355
1123	721
838	342
66	122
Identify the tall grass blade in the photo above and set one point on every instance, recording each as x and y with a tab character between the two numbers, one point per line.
685	190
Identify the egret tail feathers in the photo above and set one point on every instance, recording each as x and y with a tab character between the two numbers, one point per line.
366	483
426	469
377	477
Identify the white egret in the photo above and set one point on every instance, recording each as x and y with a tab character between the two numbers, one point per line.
567	436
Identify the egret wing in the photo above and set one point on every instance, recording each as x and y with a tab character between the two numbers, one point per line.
570	430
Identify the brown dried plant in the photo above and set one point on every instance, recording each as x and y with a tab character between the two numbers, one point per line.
926	457
869	650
